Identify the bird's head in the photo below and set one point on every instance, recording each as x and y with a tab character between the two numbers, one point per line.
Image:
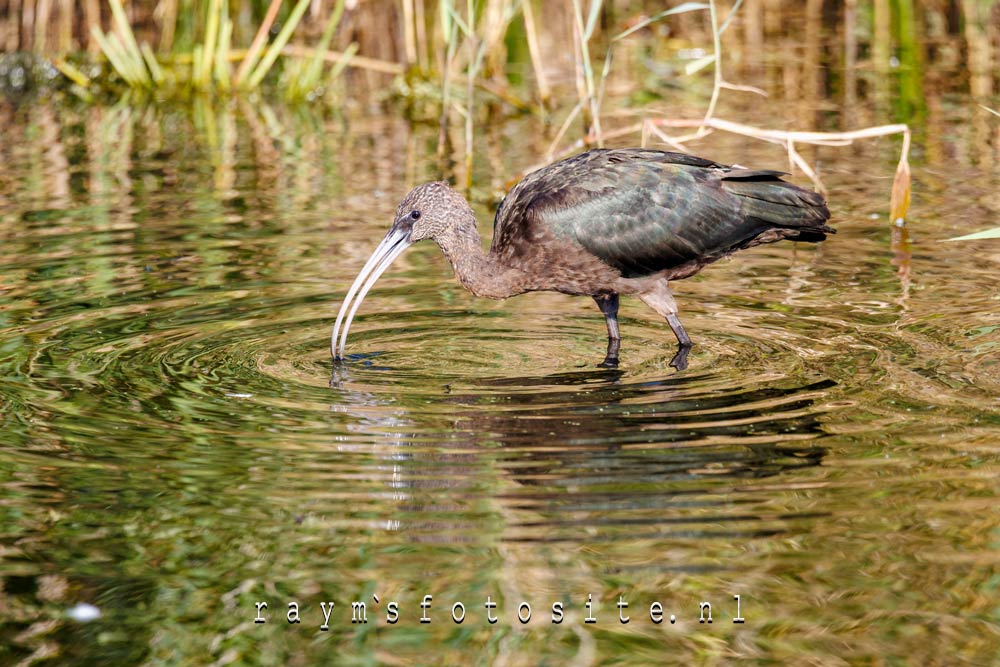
428	211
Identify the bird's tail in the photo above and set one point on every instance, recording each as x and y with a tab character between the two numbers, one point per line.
800	214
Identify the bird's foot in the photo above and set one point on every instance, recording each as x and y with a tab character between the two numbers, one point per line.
337	373
680	360
609	362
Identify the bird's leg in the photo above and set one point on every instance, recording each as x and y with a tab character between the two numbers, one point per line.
661	299
680	360
608	303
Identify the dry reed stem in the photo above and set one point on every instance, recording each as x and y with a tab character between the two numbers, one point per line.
294	51
26	30
900	197
475	53
410	32
531	34
550	153
330	56
65	26
717	62
421	35
166	12
901	185
43	9
850	53
258	42
743	88
204	75
274	49
587	91
649	127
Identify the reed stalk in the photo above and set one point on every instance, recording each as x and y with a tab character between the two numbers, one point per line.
223	74
535	51
73	74
587	91
65	32
344	59
155	71
850	53
310	76
131	50
168	23
716	62
421	20
259	40
267	60
470	92
109	45
361	62
410	31
449	29
43	11
203	76
882	39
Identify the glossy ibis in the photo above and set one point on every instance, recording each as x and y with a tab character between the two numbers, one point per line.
601	224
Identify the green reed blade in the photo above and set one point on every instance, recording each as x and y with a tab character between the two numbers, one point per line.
131	47
154	67
274	50
312	74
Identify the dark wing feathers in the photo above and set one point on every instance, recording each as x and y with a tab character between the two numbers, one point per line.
778	203
643	211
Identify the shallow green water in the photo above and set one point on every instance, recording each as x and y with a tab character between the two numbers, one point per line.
173	451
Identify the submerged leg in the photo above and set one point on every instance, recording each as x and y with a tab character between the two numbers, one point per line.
661	299
608	303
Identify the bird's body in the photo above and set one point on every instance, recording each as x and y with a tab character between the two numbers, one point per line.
605	223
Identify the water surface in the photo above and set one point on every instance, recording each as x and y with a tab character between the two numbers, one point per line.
173	451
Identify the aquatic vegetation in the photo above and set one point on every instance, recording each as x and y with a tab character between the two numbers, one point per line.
208	66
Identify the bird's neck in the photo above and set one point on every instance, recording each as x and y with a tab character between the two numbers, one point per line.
479	272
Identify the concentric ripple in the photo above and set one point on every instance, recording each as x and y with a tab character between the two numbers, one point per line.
178	444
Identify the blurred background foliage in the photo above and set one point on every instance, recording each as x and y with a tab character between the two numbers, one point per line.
518	52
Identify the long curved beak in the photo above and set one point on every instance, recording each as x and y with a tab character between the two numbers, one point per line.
392	246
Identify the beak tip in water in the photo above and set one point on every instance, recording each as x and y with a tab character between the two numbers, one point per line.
395	242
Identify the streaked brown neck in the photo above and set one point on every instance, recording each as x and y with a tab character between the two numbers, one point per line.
478	271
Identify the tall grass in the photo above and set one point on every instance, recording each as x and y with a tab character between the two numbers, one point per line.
195	44
207	67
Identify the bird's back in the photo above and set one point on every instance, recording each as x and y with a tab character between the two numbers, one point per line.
644	211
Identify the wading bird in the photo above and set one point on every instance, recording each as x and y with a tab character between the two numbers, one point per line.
601	224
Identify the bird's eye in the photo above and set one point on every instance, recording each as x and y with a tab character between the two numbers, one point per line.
415	215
